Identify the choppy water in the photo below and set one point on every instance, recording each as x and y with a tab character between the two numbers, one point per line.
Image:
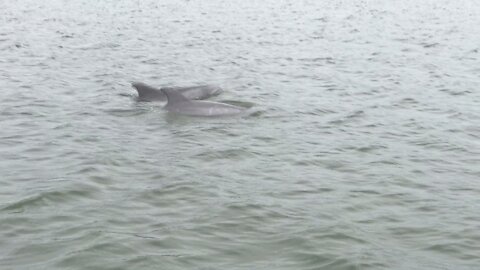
365	153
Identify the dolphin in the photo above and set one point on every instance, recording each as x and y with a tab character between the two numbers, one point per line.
178	103
149	93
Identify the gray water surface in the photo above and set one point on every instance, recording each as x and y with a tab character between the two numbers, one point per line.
364	152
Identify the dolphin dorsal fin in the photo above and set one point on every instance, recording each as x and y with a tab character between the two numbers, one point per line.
146	92
173	96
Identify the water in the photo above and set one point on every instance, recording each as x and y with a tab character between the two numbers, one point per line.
364	152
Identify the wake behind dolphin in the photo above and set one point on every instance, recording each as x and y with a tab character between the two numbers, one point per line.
149	93
180	104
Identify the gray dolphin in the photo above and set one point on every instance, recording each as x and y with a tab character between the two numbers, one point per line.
180	104
149	93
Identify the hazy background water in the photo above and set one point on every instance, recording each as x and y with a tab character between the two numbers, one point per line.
365	152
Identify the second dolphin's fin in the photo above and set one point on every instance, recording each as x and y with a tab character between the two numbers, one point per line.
173	96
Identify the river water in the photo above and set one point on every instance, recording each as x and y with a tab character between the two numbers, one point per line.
363	153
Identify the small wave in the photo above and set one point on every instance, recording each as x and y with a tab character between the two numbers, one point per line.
52	197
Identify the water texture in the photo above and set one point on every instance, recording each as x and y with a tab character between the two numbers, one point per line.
364	152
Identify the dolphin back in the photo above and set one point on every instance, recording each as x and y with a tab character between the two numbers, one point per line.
200	91
178	103
149	93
